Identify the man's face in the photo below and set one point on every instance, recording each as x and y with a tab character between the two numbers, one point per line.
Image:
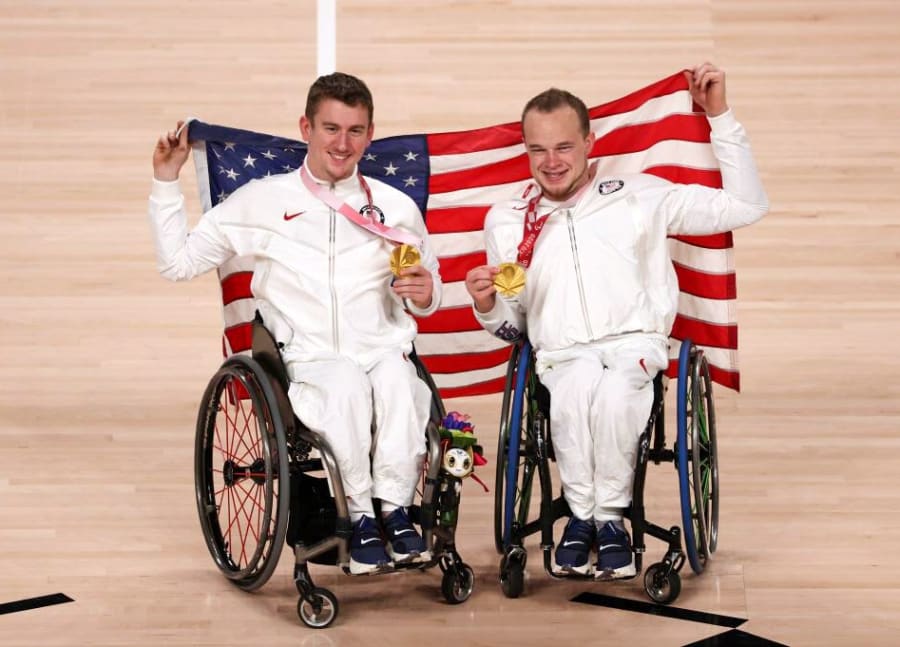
557	151
337	135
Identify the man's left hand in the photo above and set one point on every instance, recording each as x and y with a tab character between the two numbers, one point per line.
416	284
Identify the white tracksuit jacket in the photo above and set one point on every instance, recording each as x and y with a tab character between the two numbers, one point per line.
601	283
323	285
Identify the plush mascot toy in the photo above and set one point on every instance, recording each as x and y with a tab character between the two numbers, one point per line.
462	454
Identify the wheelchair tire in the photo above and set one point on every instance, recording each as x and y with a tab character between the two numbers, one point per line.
697	458
320	611
502	448
457	583
241	473
512	573
662	587
517	459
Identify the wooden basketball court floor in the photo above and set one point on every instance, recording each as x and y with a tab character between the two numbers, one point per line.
104	362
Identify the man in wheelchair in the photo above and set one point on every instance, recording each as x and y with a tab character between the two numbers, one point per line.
321	238
600	296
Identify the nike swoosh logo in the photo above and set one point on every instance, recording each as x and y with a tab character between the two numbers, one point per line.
369	540
572	543
606	546
291	216
404	531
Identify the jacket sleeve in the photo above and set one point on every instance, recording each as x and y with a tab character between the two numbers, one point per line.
429	261
506	320
181	255
742	200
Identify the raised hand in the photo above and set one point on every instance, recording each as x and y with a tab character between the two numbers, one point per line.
480	286
171	153
706	83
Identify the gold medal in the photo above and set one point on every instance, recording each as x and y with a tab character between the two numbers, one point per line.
402	257
510	280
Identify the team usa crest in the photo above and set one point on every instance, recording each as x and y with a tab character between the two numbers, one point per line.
372	212
610	186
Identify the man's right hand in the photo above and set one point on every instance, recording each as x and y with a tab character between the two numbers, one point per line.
480	286
171	153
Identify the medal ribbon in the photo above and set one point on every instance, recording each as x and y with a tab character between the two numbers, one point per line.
377	228
534	225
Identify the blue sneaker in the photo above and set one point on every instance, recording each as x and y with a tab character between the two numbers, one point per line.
615	559
367	554
403	541
575	546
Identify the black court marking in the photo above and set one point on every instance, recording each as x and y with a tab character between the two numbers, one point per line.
735	638
637	606
34	603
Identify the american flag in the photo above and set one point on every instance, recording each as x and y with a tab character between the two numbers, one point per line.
455	178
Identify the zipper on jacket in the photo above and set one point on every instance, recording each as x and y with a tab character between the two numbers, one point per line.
584	309
331	263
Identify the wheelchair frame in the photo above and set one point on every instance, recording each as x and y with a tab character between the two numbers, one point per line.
526	409
243	483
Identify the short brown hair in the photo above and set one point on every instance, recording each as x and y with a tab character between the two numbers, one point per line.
550	100
346	88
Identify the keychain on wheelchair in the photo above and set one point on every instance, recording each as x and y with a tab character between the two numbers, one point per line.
461	453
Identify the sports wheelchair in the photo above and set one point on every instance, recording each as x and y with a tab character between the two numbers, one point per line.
525	449
256	488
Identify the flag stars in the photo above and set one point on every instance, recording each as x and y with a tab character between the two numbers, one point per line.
370	157
232	174
287	168
410	181
222	195
269	155
410	156
229	146
390	169
249	161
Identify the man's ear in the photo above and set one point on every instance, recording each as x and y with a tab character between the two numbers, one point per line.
305	127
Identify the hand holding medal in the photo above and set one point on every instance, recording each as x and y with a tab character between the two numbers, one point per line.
402	257
510	280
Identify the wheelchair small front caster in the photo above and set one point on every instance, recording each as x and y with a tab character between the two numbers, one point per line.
457	583
662	584
318	609
512	573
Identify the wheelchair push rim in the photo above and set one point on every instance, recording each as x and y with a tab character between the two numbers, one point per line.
697	457
241	473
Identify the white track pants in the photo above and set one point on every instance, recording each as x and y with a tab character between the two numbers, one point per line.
600	402
340	400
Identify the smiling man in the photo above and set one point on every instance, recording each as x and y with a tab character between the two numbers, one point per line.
600	296
321	238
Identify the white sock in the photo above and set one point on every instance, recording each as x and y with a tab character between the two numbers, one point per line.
360	505
608	514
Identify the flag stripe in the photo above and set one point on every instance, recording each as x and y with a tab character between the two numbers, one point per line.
450	363
701	284
704	334
450	320
454	268
479	388
236	286
450	220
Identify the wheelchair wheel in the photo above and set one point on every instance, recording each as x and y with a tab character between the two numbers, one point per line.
241	473
697	458
319	609
512	572
662	584
458	583
518	455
